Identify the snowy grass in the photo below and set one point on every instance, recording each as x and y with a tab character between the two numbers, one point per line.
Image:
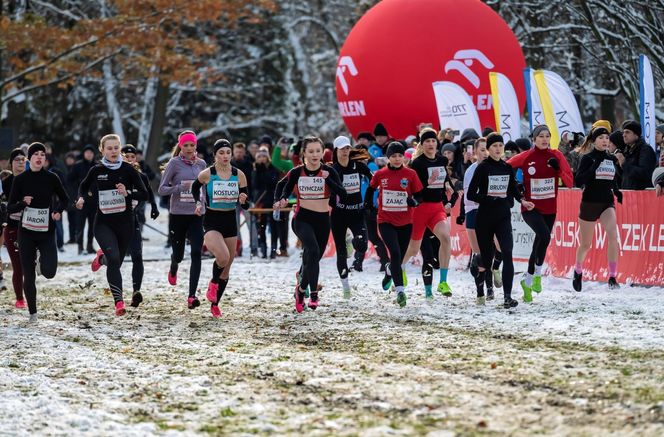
585	363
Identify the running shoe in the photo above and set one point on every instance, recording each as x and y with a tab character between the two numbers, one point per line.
212	292
33	318
193	302
613	284
489	294
577	281
497	278
405	278
510	303
173	279
313	302
428	294
444	289
481	300
537	284
401	299
299	299
357	265
386	282
216	312
20	303
383	267
527	292
96	263
346	293
136	299
120	308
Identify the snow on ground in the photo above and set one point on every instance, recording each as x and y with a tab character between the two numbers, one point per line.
585	363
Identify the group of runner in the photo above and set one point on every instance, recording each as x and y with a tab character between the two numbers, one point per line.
409	202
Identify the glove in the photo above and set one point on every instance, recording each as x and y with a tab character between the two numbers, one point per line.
460	220
368	204
154	212
553	163
412	202
619	196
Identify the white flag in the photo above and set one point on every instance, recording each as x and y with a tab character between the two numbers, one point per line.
647	89
505	107
561	112
455	107
535	116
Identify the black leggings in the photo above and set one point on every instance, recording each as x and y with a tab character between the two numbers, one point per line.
86	214
429	249
282	226
263	220
313	230
114	240
180	227
396	240
340	222
372	231
542	225
488	226
136	252
48	263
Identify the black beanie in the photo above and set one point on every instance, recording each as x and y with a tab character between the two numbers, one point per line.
600	130
367	136
486	131
89	147
14	153
427	135
522	144
222	143
632	125
395	147
35	147
380	130
266	139
494	138
617	139
128	149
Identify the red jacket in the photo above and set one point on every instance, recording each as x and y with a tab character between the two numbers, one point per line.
541	181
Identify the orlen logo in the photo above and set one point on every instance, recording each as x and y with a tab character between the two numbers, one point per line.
351	108
463	60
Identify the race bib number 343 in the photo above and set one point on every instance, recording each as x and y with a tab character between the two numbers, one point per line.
394	201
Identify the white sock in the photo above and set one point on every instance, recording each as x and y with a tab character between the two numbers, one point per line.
529	279
345	284
399	288
538	270
403	268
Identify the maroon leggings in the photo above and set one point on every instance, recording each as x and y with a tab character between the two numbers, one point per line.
10	235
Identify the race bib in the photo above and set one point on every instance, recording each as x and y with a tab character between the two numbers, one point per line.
542	188
111	202
225	191
352	183
437	177
15	216
186	196
35	219
311	187
498	186
606	170
394	201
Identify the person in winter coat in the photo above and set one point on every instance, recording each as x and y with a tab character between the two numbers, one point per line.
637	160
264	180
78	172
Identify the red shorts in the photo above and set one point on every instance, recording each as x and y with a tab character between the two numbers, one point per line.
426	215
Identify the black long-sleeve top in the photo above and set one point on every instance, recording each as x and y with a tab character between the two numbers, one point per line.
110	204
351	179
42	186
494	187
434	187
598	175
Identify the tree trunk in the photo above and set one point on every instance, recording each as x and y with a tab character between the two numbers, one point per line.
112	102
155	146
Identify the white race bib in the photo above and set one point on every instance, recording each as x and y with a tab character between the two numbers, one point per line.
543	188
186	196
311	187
606	170
439	181
225	191
394	201
35	219
498	186
111	202
352	183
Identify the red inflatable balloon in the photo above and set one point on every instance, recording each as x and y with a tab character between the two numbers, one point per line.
399	48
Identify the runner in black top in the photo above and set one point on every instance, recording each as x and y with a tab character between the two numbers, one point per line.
117	184
32	194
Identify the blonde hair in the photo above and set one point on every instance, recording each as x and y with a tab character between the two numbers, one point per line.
589	143
106	138
176	149
419	149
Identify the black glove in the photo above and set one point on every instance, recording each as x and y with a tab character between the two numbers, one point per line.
368	204
553	163
619	196
245	205
412	202
154	212
460	220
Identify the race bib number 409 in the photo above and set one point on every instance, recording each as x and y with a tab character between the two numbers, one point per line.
225	191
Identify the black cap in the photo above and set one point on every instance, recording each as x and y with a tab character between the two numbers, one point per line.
617	139
632	125
14	153
128	149
395	147
367	136
486	131
266	139
34	148
427	135
523	144
380	130
494	138
89	147
222	143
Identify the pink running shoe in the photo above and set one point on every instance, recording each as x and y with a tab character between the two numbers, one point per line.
299	300
96	263
313	302
20	304
193	302
120	309
212	292
216	312
172	279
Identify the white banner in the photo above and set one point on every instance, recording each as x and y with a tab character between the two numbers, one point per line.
561	112
505	106
455	107
535	116
647	89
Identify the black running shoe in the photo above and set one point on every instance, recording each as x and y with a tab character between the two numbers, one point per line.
382	267
387	279
357	265
576	283
613	284
136	299
510	303
489	294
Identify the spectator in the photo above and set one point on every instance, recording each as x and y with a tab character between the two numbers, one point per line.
364	140
637	159
659	140
455	168
72	190
145	168
87	213
263	183
241	160
59	230
382	137
252	148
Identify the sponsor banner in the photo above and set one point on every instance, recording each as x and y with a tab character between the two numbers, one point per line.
505	106
647	90
455	108
535	115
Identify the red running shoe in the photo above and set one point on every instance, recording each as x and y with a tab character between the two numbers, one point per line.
96	263
120	309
